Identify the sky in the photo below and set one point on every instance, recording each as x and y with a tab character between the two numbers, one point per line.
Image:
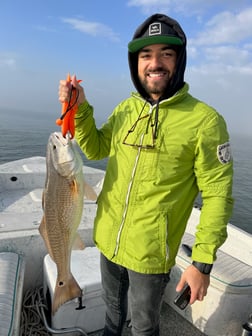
44	40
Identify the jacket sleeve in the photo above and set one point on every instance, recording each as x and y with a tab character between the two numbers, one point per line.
214	173
95	143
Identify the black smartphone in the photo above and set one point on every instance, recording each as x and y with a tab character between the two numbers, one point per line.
183	297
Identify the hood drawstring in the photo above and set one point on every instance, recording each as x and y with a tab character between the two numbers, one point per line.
155	124
156	121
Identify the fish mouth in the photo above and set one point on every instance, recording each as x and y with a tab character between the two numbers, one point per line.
61	139
63	154
62	148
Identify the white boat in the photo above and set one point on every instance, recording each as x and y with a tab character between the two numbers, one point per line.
22	258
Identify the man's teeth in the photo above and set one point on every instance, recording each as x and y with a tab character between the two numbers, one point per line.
155	74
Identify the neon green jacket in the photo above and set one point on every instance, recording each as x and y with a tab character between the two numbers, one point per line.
148	194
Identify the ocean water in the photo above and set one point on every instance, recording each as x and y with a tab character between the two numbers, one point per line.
20	142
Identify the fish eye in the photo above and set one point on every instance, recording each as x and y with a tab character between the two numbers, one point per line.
54	146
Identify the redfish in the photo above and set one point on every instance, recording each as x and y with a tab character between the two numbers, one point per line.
62	205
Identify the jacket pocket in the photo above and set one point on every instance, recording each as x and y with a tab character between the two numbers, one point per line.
146	238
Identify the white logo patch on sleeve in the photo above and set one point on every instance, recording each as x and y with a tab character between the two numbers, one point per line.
224	153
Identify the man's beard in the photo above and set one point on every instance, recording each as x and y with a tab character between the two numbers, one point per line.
157	88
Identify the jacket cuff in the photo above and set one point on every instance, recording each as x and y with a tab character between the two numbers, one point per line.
202	267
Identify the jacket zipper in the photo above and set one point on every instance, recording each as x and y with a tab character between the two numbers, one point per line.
128	192
127	197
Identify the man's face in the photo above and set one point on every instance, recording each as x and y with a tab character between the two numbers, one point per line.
156	66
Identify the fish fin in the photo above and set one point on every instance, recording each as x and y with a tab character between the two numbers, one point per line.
89	192
42	229
78	243
65	291
43	233
74	187
43	200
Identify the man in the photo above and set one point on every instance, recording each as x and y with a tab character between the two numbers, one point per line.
164	146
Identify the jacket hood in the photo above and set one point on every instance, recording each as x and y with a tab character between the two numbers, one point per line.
158	28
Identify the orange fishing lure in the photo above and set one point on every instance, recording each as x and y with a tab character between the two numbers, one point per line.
66	121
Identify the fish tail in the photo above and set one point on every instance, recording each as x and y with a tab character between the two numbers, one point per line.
65	291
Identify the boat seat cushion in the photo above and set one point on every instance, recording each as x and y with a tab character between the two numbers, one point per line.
11	292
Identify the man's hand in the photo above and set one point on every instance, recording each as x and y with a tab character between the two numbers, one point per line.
65	88
197	281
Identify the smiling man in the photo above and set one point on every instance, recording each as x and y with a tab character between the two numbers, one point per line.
156	67
164	147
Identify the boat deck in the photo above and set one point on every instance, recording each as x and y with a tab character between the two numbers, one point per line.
21	187
171	324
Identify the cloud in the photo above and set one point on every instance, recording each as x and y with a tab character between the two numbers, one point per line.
148	3
184	7
225	88
234	55
8	60
45	29
151	6
92	28
227	27
223	46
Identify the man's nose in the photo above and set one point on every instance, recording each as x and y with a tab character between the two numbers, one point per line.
156	61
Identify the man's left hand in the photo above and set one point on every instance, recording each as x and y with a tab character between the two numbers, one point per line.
197	281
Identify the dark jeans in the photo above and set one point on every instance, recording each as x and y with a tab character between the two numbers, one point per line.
144	291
